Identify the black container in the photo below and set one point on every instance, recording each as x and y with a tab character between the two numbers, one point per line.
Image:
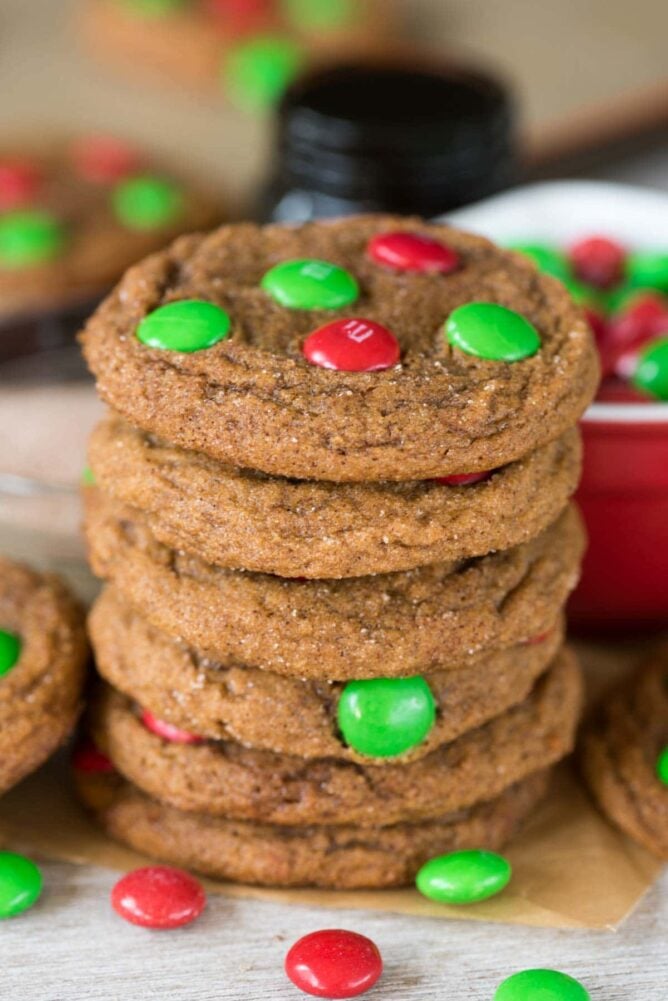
389	137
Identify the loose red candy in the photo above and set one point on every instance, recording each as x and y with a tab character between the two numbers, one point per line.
352	345
239	15
334	964
598	261
19	183
158	896
104	159
89	759
614	390
597	323
644	319
412	252
167	730
464	479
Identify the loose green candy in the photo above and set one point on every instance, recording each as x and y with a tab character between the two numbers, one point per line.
145	203
310	15
257	73
648	269
87	477
541	985
10	651
20	884
187	325
651	374
464	877
662	766
488	330
29	237
546	259
310	284
153	8
383	717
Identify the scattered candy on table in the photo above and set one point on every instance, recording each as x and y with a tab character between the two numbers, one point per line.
10	651
159	897
383	717
541	985
20	884
334	963
464	877
19	184
651	372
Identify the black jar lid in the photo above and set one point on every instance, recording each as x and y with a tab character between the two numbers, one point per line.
397	136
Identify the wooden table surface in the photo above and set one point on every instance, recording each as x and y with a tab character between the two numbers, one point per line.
73	947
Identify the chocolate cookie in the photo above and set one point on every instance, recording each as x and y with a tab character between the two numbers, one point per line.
336	857
229	702
245	520
222	778
74	215
243	370
392	625
42	661
620	756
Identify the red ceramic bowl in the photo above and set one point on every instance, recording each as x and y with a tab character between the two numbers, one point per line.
624	499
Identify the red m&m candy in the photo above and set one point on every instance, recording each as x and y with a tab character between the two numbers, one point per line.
104	159
19	183
334	964
239	15
158	896
598	261
168	731
89	759
412	252
352	345
464	479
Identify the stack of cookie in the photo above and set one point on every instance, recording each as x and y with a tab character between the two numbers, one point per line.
331	505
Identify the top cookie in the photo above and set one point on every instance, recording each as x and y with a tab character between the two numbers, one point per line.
402	388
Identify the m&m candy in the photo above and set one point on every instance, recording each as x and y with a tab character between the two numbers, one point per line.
310	284
20	884
651	373
547	259
146	202
464	877
546	985
487	330
334	963
383	717
89	759
159	897
257	72
29	237
186	325
464	479
239	15
598	261
352	345
662	766
19	183
104	159
10	651
404	251
167	731
648	269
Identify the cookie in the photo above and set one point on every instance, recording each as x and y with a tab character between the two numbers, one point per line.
392	625
43	654
75	214
240	519
229	702
223	778
248	52
334	857
435	392
620	752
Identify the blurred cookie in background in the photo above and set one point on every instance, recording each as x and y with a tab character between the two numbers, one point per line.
247	50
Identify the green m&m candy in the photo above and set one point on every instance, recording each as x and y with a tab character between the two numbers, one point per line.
464	877
541	985
28	237
10	651
662	766
145	202
651	374
20	884
546	259
87	477
311	15
256	73
187	325
649	269
487	330
383	717
310	284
